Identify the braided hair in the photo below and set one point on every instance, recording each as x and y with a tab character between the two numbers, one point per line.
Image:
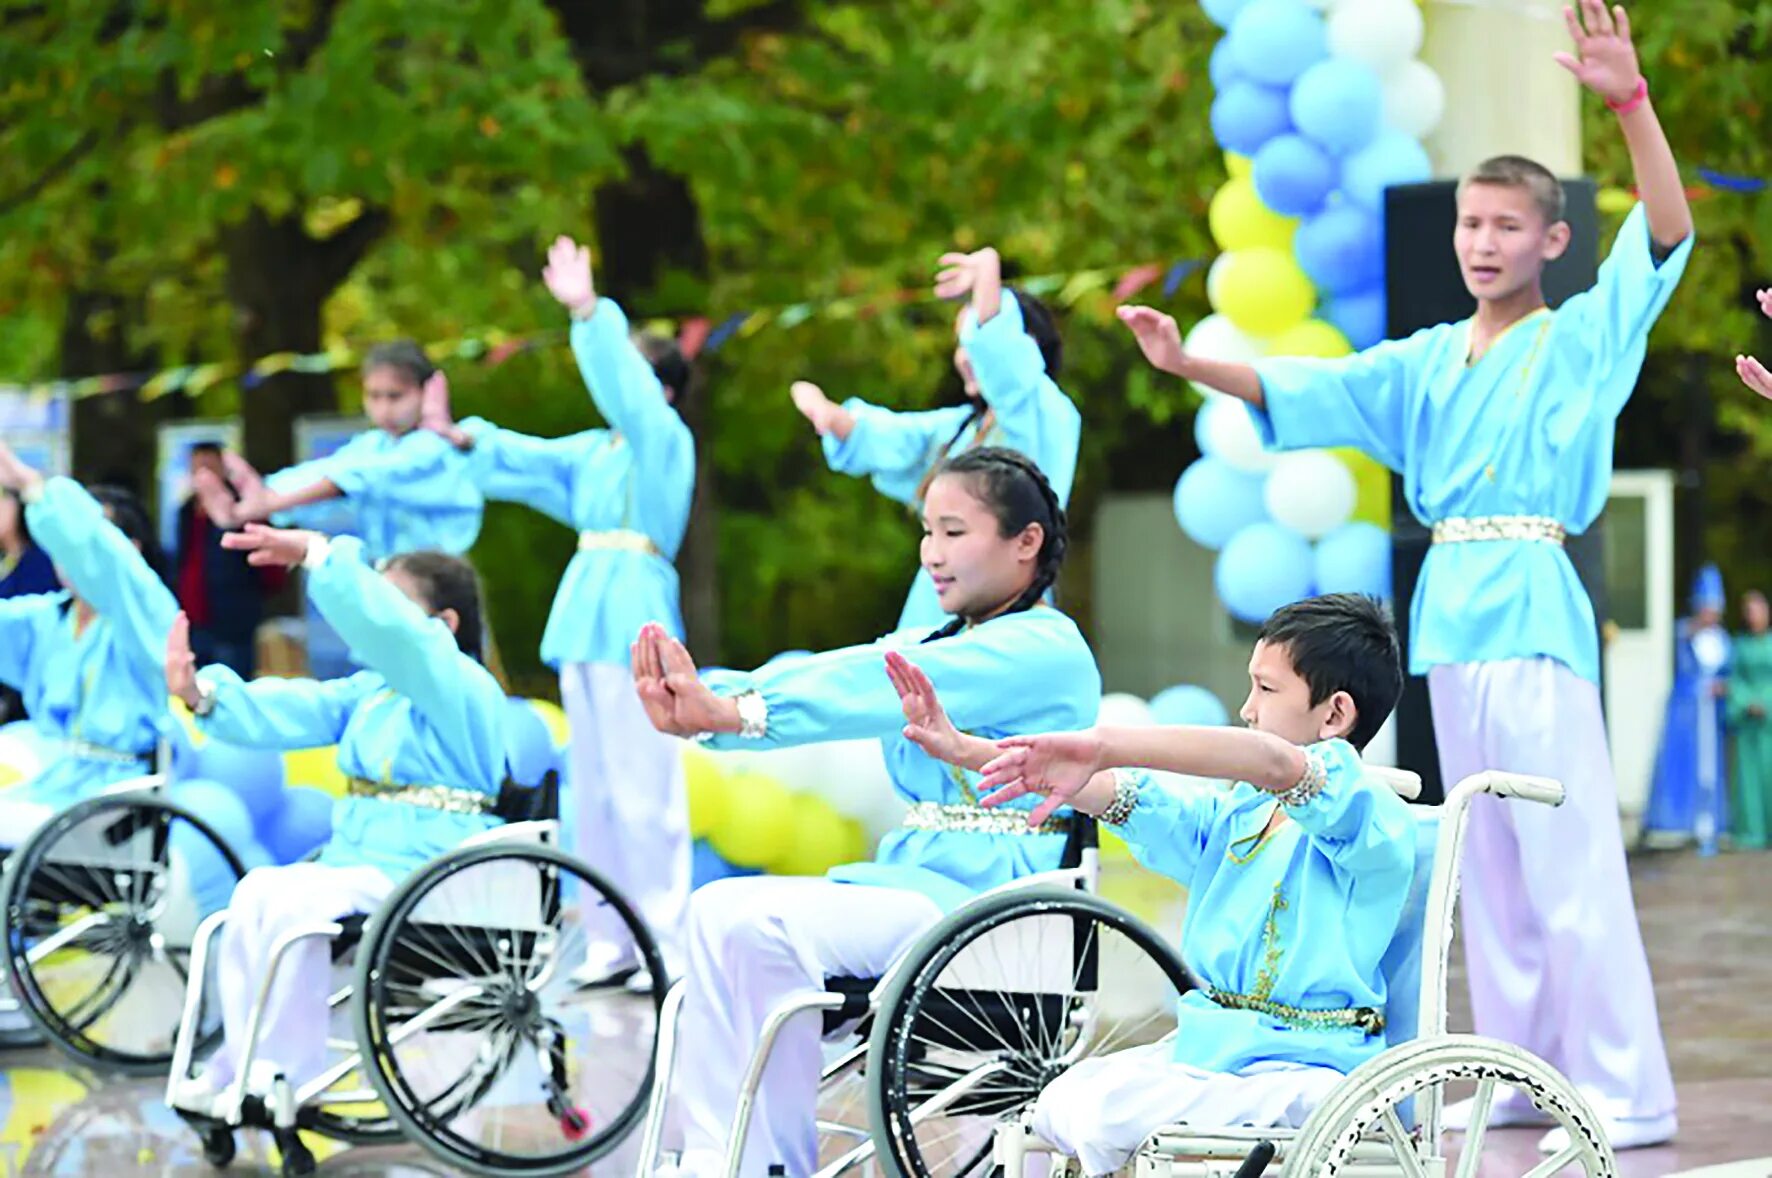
1015	490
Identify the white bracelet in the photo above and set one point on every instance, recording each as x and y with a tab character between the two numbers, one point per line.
1125	801
32	491
1310	782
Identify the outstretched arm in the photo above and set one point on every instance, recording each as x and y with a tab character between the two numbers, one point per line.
1605	61
1159	338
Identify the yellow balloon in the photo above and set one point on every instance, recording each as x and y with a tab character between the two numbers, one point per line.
1614	200
1313	337
1114	848
315	767
1239	220
1372	488
709	795
817	840
9	776
1261	290
551	715
1241	167
759	821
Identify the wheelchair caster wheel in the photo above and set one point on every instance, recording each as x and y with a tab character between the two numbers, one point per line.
575	1123
218	1147
298	1162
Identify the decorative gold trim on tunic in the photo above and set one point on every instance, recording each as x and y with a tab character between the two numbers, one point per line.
618	540
1365	1018
1470	529
964	819
431	797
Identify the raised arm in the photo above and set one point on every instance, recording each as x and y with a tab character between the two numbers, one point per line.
98	561
539	473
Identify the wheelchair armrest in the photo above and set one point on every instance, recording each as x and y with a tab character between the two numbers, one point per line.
1515	785
540	831
1405	784
147	783
1064	877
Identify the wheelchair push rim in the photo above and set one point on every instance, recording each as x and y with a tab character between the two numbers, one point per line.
100	905
993	1004
471	1028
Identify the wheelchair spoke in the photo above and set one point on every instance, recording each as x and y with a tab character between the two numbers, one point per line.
1469	1156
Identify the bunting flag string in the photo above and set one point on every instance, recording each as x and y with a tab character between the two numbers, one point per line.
695	334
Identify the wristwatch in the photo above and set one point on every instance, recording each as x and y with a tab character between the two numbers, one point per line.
205	700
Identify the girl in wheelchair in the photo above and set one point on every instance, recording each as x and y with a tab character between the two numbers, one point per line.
993	543
85	660
420	735
1296	877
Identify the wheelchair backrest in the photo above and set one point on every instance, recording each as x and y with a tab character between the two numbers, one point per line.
1401	965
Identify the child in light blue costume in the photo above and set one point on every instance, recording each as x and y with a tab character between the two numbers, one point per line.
402	488
85	660
1297	877
1008	358
1502	427
420	735
626	490
1007	663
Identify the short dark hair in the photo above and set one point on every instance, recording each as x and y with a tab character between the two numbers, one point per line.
447	582
1516	171
667	363
1343	642
404	356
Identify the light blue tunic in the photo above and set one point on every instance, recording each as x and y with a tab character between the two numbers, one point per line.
1033	415
1526	430
637	477
423	714
402	494
1020	673
1302	920
104	687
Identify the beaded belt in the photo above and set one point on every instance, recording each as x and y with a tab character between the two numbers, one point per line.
1465	530
432	797
1364	1018
98	752
978	820
618	540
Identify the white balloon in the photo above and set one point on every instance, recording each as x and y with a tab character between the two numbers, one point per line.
1311	491
1414	99
1226	431
1122	709
1216	338
1381	33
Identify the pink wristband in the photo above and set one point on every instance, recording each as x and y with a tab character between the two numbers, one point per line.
1638	97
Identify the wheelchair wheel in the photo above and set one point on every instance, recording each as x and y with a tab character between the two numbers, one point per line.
101	904
992	1004
1369	1110
471	1028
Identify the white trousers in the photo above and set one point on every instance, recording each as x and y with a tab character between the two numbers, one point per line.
267	903
20	820
752	943
1552	947
632	808
1103	1109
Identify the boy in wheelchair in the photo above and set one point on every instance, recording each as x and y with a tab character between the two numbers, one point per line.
420	735
1297	877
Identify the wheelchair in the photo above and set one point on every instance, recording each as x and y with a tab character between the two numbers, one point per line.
454	1022
971	1020
101	903
1384	1119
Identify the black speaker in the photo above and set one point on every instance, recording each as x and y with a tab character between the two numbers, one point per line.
1423	286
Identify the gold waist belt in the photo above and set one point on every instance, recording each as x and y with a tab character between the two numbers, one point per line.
1465	530
1364	1018
110	756
978	820
432	797
617	540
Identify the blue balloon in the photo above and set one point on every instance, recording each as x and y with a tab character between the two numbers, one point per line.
1187	704
1214	501
220	807
1246	115
529	747
1361	316
1293	176
1339	104
304	824
706	865
1392	158
1219	67
1223	12
255	776
1341	249
1274	41
1264	567
1354	558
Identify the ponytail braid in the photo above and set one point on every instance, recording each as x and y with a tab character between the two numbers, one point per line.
1015	489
